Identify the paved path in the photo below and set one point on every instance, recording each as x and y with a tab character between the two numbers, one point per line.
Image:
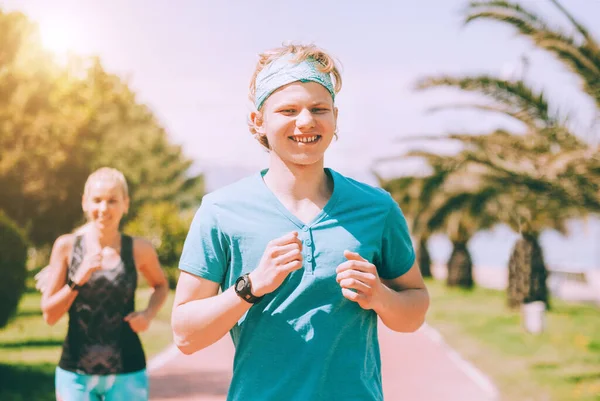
416	367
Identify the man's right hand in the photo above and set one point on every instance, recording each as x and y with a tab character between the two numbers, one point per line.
282	256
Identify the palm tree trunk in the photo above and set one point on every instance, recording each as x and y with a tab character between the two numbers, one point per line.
423	258
460	267
527	272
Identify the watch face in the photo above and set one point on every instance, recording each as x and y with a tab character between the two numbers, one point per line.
240	285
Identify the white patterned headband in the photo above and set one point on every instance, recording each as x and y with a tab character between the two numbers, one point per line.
286	70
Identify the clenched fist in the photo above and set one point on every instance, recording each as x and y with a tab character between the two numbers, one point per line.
359	280
282	256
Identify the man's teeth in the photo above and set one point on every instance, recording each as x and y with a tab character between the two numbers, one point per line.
306	139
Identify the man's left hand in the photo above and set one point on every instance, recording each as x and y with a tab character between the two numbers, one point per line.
359	280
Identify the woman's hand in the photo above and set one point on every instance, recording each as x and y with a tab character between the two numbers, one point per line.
91	262
138	321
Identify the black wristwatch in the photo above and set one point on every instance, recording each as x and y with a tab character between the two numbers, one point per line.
243	287
73	285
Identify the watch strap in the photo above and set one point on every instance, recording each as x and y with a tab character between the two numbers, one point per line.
73	285
245	291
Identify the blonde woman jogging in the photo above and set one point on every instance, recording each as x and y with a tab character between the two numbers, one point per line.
92	276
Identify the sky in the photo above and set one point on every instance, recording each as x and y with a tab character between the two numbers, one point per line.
191	61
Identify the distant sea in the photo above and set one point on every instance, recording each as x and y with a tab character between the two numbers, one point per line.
578	250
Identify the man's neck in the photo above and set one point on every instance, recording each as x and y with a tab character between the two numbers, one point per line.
296	183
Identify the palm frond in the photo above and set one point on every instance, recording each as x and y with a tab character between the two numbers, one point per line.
582	30
517	95
519	115
581	56
524	20
566	50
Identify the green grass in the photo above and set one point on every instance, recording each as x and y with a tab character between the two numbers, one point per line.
30	349
561	364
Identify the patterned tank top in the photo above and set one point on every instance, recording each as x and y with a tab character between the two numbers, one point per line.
99	341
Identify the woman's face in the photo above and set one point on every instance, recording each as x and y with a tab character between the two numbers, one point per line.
299	120
105	204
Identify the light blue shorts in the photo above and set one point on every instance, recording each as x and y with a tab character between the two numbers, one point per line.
120	387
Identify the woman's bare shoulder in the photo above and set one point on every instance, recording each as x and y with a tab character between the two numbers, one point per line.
143	250
142	245
64	244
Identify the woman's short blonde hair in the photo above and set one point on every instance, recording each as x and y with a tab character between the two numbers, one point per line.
327	64
107	174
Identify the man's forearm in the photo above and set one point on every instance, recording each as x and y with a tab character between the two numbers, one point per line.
200	323
403	310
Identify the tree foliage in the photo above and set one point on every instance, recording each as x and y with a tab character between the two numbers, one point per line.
166	227
13	258
59	122
531	180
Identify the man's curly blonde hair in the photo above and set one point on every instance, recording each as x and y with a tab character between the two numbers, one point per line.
327	64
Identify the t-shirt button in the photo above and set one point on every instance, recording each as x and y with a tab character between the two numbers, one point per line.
309	258
308	242
305	228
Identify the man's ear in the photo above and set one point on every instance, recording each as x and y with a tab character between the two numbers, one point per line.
257	121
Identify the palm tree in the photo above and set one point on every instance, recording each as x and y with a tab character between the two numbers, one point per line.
444	201
410	194
541	175
413	194
545	162
580	53
464	206
423	257
498	177
513	196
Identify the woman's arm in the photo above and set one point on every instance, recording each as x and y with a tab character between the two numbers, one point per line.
146	261
57	297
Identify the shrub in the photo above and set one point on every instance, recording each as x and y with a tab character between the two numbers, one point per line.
13	265
166	227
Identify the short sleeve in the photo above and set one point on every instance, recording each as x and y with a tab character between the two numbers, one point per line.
397	251
205	251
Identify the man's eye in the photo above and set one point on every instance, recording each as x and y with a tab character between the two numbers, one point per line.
288	111
320	110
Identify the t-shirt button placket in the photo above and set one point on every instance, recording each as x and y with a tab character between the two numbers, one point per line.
308	250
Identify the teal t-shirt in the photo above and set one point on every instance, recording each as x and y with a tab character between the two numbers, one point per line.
304	341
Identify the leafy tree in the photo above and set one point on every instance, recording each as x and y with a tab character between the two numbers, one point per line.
13	258
58	123
166	227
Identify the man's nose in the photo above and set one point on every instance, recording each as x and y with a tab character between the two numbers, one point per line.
305	119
